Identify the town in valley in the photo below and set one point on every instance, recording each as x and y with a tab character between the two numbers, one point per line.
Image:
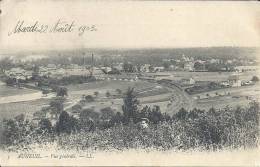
97	81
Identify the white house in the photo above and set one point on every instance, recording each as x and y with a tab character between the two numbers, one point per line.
234	80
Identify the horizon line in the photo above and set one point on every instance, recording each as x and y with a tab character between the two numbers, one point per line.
121	48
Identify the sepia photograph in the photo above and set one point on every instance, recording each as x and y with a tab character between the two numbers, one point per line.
108	83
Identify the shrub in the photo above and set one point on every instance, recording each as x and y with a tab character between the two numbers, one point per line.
62	91
45	126
89	98
66	123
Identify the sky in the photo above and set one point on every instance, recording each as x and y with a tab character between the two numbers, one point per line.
131	24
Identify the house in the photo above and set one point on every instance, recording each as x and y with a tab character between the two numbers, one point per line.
19	73
159	69
225	83
188	81
106	69
234	80
185	58
145	68
212	61
119	67
189	66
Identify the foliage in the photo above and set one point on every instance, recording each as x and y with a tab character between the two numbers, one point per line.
56	106
255	79
88	118
62	92
228	128
119	91
130	106
96	93
10	81
66	123
128	67
108	94
89	98
45	125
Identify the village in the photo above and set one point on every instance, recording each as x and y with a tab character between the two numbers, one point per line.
171	84
87	94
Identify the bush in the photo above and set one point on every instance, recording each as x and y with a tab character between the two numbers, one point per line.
62	92
66	123
89	98
255	79
88	119
228	128
45	126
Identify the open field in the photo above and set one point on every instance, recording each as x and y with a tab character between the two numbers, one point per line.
10	91
221	102
143	88
231	97
15	101
168	97
204	76
10	110
148	94
252	90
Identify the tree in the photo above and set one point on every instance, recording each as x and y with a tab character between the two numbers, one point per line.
155	115
56	106
15	130
255	79
10	81
88	118
118	118
128	67
35	74
76	108
166	65
96	93
130	106
5	64
10	133
89	98
45	125
119	91
62	92
66	123
181	115
108	94
145	112
198	66
107	113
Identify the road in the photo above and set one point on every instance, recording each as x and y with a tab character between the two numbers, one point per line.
180	99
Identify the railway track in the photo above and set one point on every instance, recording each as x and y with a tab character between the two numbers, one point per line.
180	99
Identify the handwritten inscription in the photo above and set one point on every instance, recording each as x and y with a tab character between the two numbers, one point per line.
60	26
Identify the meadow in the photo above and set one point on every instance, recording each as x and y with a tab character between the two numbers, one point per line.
10	91
10	110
